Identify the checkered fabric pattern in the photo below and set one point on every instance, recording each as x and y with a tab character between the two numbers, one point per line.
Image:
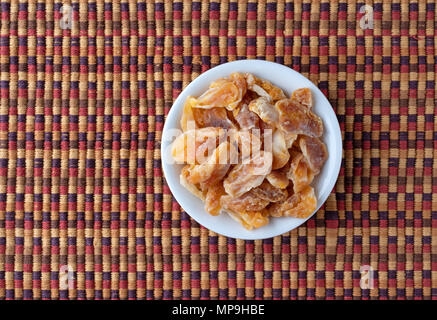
82	195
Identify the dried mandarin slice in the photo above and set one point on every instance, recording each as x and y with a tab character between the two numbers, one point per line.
187	119
206	149
264	88
250	79
226	155
247	98
249	174
278	178
212	200
299	205
299	172
246	202
184	147
269	193
250	219
303	96
214	117
289	139
296	119
275	92
219	82
248	142
189	186
255	219
253	85
220	96
265	110
245	118
216	167
314	152
261	92
223	93
240	81
280	150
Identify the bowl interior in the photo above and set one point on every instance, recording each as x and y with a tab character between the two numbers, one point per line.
287	79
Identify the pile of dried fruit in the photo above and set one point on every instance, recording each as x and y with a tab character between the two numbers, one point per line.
251	151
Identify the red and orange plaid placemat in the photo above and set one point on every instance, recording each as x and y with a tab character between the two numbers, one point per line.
84	208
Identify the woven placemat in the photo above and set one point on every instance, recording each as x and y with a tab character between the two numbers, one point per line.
84	208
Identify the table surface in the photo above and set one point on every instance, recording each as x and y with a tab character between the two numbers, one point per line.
82	106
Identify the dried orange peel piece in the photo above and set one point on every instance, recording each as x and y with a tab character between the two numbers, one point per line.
194	189
297	119
278	178
265	110
213	197
299	172
250	219
214	117
268	192
303	96
184	148
246	119
264	88
245	176
314	152
187	119
216	167
280	150
299	205
246	202
225	93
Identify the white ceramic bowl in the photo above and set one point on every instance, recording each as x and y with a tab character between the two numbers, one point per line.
288	80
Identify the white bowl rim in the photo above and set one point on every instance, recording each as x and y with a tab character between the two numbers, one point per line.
335	154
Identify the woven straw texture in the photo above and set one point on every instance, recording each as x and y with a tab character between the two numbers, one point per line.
81	118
